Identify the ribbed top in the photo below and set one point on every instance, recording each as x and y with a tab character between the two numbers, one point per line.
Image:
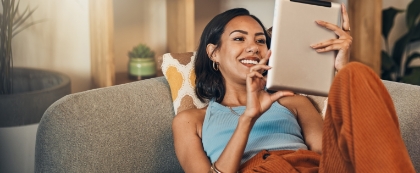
276	129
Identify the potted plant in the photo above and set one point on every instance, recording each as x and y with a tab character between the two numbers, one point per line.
142	62
10	25
395	66
25	94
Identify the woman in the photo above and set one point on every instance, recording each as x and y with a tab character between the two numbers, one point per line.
246	129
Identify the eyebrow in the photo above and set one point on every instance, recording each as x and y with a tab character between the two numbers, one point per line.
244	32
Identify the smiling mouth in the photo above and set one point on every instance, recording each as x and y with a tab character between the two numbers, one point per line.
246	61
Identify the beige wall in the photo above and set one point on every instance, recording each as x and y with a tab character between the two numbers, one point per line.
60	42
138	21
205	10
263	9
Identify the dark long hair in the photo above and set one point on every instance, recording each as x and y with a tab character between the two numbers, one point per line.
209	82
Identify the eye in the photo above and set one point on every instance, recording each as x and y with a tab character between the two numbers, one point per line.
238	39
261	41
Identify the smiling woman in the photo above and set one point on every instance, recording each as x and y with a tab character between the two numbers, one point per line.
244	128
211	52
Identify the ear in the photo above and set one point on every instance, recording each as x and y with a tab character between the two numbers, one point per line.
211	53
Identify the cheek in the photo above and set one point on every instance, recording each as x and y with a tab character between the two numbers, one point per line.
263	51
231	51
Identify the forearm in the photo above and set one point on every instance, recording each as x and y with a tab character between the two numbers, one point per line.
230	159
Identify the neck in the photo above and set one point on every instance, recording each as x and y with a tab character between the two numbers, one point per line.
235	95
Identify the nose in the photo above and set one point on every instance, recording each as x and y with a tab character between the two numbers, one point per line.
252	48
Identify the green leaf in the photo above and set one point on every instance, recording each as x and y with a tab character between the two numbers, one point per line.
411	58
408	61
387	62
388	16
141	51
415	33
387	66
399	48
413	11
413	78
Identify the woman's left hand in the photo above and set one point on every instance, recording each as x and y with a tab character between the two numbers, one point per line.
342	44
259	100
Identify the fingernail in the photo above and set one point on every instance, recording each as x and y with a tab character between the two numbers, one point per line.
312	45
318	21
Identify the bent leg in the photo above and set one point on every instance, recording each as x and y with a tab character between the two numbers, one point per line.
361	131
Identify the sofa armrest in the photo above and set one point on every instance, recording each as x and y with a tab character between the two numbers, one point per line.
124	128
406	100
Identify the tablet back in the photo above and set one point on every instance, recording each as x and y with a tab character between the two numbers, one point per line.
295	65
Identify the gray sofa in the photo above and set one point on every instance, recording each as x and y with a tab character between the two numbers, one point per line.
127	128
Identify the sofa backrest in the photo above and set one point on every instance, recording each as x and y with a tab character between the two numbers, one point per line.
127	128
124	128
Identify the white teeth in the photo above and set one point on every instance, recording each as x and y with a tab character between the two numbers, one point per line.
245	61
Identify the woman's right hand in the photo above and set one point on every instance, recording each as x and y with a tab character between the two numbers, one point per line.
259	100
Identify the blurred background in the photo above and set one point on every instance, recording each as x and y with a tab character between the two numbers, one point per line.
61	41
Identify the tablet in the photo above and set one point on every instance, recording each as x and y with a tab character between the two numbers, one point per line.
295	65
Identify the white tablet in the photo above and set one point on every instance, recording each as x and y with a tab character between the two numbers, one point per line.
295	65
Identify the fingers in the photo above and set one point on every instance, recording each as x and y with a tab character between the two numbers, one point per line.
337	30
345	30
334	44
255	81
333	47
255	74
264	60
259	67
345	17
327	43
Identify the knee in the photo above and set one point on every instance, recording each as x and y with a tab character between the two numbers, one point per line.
356	68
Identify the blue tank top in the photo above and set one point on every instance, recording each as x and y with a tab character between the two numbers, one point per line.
276	129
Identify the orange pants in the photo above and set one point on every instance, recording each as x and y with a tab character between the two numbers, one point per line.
360	133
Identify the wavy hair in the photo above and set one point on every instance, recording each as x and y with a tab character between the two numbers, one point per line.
209	82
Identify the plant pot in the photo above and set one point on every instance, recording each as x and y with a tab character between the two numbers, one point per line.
141	68
20	113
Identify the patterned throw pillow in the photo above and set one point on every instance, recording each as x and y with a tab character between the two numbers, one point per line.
178	68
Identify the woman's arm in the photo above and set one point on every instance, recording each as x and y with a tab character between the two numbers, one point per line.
186	128
308	118
230	159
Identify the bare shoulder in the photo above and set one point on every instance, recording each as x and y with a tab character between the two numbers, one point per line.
190	115
293	103
190	120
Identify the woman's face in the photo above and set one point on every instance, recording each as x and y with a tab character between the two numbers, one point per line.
243	44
